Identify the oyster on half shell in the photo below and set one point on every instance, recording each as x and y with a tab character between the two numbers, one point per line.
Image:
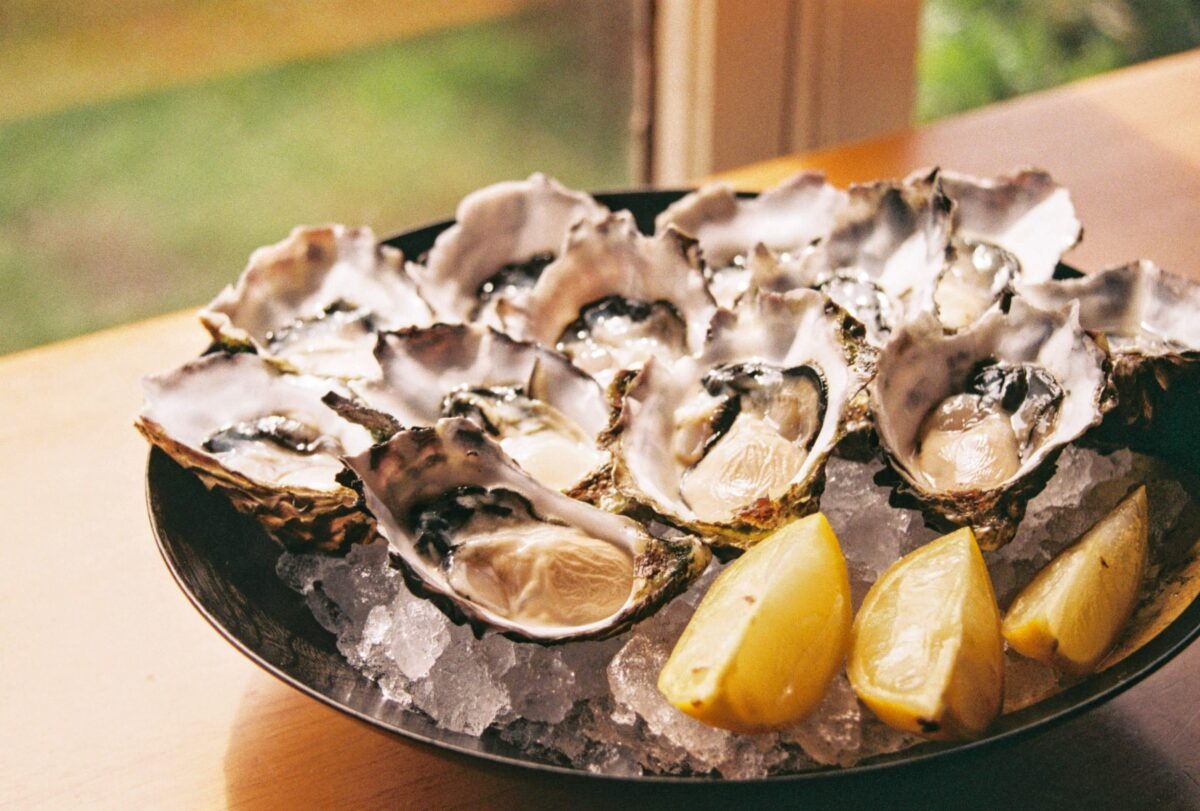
504	237
732	443
545	413
492	547
1148	318
971	422
1007	230
314	302
616	297
265	439
784	219
888	244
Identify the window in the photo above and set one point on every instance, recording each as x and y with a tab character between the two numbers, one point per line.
148	146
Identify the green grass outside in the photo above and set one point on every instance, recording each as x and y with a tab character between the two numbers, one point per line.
126	209
129	208
974	52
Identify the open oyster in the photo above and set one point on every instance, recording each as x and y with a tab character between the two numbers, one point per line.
616	297
734	442
1007	230
784	219
971	422
492	547
545	413
314	301
265	439
1148	319
889	243
504	237
1025	214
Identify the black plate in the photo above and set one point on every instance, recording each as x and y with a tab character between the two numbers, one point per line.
226	566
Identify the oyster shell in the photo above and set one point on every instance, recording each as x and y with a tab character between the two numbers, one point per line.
492	547
265	439
1006	230
504	237
734	442
971	422
545	413
784	219
1026	214
1148	319
314	302
889	243
616	297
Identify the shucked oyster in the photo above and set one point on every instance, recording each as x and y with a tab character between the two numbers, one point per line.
545	413
1008	230
972	422
888	244
615	298
734	442
1149	319
492	547
314	301
784	219
265	439
1026	214
504	237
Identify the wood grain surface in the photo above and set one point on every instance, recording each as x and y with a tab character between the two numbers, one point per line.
116	694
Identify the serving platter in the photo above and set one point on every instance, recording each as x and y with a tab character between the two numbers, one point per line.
226	566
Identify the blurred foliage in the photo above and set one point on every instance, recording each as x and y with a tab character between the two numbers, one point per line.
977	51
128	208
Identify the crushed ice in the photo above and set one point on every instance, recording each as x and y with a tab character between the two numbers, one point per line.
594	705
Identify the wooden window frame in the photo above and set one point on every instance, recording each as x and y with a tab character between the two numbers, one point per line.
737	81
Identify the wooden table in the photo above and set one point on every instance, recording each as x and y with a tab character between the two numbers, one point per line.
117	694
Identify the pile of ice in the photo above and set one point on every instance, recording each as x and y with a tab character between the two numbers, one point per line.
594	705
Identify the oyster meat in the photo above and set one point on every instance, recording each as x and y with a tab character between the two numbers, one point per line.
1148	319
493	547
265	439
888	244
545	413
615	298
734	442
314	302
784	219
1026	214
971	422
1006	230
504	237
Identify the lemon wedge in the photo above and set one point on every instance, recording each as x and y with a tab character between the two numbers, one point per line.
926	653
1069	616
768	636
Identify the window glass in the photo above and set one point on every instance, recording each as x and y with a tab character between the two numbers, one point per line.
144	199
974	52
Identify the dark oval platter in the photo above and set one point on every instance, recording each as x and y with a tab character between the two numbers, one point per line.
225	566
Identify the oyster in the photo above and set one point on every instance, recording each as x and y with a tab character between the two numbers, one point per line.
616	297
545	413
314	302
263	438
1148	319
734	442
492	547
971	422
889	243
504	237
1007	230
784	219
1026	214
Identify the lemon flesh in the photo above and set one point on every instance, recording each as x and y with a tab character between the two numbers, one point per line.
769	635
926	652
1070	615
